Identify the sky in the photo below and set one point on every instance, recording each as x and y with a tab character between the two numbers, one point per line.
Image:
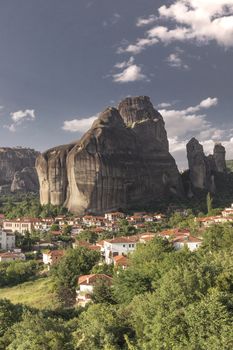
63	62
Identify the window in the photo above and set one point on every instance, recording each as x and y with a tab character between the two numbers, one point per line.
124	245
129	245
132	245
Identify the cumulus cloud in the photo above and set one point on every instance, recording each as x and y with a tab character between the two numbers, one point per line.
200	21
131	72
20	117
79	125
144	21
183	124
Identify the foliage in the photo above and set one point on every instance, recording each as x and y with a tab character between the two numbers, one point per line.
37	332
209	203
87	236
75	263
28	205
102	327
15	272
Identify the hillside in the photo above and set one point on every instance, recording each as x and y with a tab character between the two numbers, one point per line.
230	165
38	294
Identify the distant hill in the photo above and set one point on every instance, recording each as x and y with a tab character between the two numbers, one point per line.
230	165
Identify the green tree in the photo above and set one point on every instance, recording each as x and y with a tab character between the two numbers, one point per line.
9	315
76	262
36	332
102	327
209	203
102	293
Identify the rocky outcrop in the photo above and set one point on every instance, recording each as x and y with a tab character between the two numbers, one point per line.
17	170
121	162
220	158
197	164
202	168
25	181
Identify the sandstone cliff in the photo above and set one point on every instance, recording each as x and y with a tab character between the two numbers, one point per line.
121	162
202	168
17	170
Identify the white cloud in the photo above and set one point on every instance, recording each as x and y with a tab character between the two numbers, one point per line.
176	61
79	125
164	105
200	21
124	64
144	21
20	117
129	74
139	46
190	122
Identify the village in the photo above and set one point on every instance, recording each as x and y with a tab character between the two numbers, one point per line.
115	236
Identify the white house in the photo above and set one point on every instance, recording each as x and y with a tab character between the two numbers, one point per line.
7	240
8	256
114	216
52	257
86	285
193	243
118	246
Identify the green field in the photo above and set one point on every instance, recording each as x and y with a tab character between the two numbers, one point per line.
38	294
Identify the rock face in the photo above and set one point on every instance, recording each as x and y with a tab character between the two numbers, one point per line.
25	180
220	158
203	168
17	170
121	162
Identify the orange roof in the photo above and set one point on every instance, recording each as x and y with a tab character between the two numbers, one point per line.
174	232
189	239
54	253
121	260
10	255
132	239
93	278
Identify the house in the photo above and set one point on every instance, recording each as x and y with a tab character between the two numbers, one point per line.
121	261
119	246
7	240
86	285
9	256
18	225
52	257
172	233
213	220
115	216
193	243
228	211
87	245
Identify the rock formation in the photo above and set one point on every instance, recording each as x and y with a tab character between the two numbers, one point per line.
202	168
121	162
17	170
220	158
25	180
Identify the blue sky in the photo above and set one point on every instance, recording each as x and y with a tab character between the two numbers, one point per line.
63	62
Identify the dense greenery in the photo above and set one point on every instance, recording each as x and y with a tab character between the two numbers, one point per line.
27	205
15	272
166	299
76	262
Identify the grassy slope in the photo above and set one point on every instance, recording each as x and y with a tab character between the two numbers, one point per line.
230	164
38	294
